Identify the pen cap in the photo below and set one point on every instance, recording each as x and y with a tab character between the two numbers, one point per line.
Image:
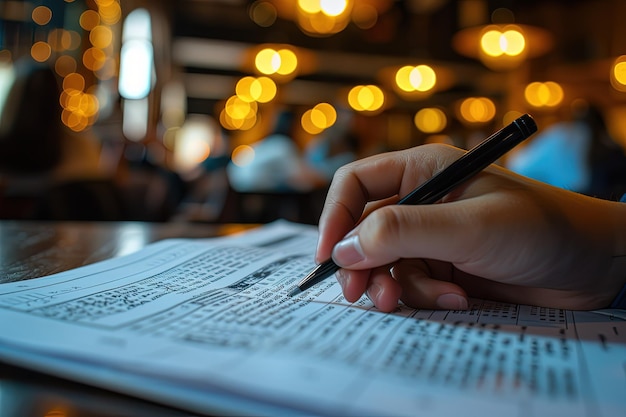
526	124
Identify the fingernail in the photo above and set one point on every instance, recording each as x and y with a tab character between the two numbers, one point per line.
348	251
374	292
451	302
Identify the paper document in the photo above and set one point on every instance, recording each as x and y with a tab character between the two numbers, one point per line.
206	325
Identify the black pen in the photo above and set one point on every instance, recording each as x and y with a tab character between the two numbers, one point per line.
431	191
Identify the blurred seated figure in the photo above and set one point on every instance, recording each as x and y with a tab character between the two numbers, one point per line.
277	183
48	172
578	155
334	147
277	165
30	130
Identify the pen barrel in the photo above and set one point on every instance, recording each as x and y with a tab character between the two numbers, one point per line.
472	162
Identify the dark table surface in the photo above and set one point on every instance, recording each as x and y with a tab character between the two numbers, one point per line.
34	249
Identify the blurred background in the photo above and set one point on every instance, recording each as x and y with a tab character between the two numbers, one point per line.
241	111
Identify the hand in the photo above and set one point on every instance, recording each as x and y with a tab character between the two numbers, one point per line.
498	236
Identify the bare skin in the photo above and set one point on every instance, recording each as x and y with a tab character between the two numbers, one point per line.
498	236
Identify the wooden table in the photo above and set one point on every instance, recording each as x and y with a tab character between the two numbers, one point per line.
33	249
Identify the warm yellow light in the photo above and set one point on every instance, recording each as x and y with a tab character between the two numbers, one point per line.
261	89
80	110
110	12
41	51
238	114
94	59
74	81
420	78
310	6
239	109
403	76
288	62
325	113
430	120
243	87
242	155
282	62
89	19
477	110
101	36
514	42
618	74
333	7
366	98
237	124
323	17
543	94
41	15
229	123
490	43
319	118
307	123
495	43
267	61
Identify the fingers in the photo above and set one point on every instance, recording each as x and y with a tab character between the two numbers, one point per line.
424	288
399	232
381	177
381	288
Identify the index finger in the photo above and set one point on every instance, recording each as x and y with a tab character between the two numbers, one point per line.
380	177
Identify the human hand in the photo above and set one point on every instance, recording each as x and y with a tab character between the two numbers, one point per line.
498	236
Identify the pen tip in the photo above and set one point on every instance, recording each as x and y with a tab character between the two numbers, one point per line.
294	292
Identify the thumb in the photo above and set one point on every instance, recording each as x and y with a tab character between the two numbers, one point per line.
448	232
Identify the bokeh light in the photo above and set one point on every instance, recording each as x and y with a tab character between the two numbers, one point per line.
89	19
41	15
41	51
261	89
366	98
496	43
544	94
242	155
430	120
618	73
477	110
282	62
319	118
416	78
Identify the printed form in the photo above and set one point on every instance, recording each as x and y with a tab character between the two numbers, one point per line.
206	325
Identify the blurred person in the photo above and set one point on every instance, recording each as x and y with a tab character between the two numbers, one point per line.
579	155
277	166
49	171
334	147
30	128
498	236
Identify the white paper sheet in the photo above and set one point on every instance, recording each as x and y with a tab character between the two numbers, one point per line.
206	325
